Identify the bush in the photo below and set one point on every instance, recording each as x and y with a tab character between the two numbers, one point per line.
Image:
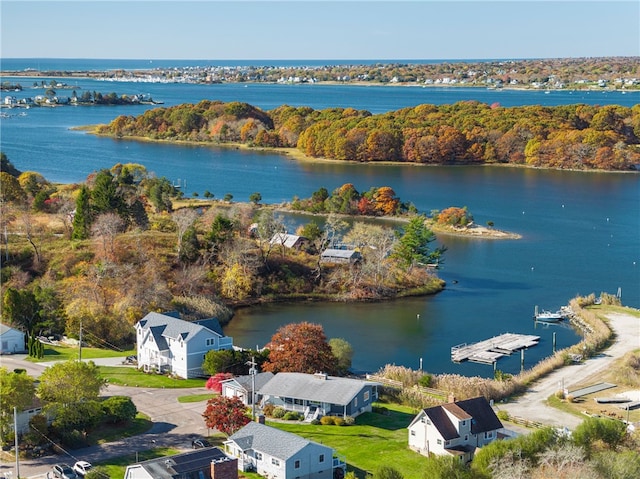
268	409
316	422
119	409
292	416
338	421
279	413
349	421
425	381
326	420
503	415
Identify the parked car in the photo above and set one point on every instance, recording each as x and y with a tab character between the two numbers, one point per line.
200	443
63	471
82	467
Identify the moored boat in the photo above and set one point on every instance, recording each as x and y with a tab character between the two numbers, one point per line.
548	316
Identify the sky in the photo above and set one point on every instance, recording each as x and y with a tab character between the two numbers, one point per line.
318	30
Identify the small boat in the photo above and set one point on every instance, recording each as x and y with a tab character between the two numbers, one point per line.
548	316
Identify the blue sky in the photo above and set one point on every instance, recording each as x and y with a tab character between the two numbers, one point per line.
302	29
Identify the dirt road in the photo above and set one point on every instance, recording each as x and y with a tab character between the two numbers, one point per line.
533	404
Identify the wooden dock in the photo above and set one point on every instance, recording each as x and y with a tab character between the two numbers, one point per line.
490	350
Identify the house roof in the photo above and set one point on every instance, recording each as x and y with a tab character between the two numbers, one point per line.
166	326
314	387
285	239
5	329
245	382
339	253
478	410
269	440
169	467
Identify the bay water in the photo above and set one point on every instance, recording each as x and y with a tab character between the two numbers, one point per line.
580	230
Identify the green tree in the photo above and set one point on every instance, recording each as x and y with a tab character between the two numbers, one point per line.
105	197
82	217
413	248
17	389
119	409
343	352
21	309
70	383
255	198
387	472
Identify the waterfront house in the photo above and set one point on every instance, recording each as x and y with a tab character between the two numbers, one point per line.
242	386
11	340
167	344
338	256
206	463
317	395
456	428
273	453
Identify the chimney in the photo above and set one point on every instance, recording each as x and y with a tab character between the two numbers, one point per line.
260	419
224	468
451	398
322	376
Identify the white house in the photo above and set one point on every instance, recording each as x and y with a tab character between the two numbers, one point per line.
317	395
273	453
11	340
169	344
206	463
455	428
242	386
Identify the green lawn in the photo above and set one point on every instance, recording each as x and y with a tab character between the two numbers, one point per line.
114	432
196	397
64	353
374	440
125	376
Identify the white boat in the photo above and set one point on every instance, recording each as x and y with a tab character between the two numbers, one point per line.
548	316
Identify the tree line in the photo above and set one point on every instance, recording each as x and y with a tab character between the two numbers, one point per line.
578	136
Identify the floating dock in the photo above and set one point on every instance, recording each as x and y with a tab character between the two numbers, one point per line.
490	350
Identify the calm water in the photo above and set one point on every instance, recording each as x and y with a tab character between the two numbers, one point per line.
581	231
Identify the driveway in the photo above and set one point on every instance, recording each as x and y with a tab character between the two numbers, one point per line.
175	424
533	404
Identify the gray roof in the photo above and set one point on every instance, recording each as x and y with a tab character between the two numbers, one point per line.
5	328
314	387
245	382
165	326
169	467
269	440
339	253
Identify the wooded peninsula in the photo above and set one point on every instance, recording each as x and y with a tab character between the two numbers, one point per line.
579	136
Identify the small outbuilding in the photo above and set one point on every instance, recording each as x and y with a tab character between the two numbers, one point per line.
12	340
340	256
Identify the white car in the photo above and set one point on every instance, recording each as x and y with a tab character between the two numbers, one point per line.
82	467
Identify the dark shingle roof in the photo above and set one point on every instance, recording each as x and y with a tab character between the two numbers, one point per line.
170	467
484	419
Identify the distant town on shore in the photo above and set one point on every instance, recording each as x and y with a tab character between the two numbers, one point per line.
569	73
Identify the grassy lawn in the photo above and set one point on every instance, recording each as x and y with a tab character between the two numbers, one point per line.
374	440
133	377
64	353
196	397
115	432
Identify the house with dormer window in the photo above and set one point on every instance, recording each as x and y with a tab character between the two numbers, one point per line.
168	344
457	428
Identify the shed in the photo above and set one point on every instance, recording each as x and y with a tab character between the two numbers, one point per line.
338	256
11	340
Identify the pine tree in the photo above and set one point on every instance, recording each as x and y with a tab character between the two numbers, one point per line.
82	216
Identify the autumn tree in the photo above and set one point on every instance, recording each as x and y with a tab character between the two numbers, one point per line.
105	228
225	414
300	347
184	219
214	383
10	189
455	216
386	201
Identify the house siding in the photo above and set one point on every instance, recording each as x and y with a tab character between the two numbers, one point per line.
11	341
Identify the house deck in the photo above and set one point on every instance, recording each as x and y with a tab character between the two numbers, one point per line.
490	350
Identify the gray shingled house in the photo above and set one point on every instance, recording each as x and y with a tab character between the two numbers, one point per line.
317	395
273	453
455	428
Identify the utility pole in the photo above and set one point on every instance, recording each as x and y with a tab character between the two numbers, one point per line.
252	372
15	435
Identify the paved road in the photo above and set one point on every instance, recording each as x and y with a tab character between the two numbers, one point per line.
532	405
175	424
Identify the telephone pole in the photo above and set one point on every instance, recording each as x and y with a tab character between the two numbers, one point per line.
252	372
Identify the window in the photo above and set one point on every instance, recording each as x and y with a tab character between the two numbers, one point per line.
296	465
413	433
321	459
488	434
439	442
466	437
258	456
355	401
211	341
464	423
275	462
366	396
